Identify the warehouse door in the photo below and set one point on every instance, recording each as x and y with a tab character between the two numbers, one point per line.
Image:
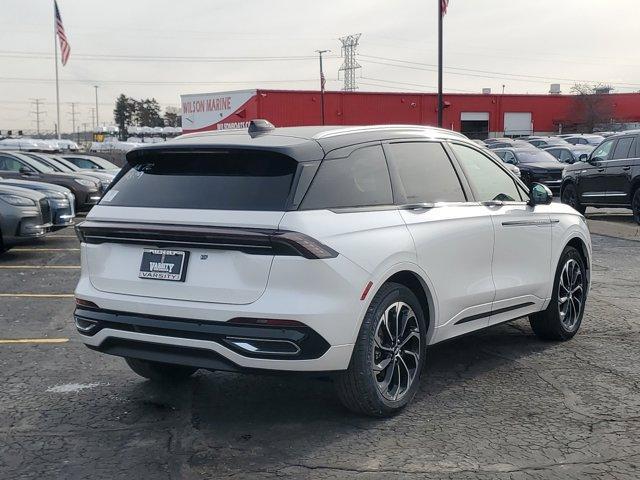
475	124
517	124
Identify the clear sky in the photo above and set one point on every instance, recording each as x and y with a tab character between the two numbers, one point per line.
162	48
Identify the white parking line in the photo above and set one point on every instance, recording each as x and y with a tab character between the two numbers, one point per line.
38	267
32	340
45	250
37	295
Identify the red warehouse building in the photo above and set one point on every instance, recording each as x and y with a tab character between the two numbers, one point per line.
476	115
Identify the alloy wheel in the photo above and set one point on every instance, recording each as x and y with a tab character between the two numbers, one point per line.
396	351
571	294
569	197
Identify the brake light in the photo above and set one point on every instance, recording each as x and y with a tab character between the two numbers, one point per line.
303	244
85	303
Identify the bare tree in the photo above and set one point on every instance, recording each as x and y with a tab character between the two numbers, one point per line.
592	105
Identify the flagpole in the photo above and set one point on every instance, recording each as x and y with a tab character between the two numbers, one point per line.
440	99
55	45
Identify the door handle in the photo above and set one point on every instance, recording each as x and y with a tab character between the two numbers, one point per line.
626	168
601	170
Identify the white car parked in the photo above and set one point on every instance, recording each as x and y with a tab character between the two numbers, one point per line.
322	249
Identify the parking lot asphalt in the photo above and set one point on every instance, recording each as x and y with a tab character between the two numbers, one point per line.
499	404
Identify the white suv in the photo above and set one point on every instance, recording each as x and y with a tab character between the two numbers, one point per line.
322	249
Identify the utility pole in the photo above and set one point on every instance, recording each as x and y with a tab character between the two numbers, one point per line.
97	118
73	118
323	81
350	65
84	131
93	118
37	102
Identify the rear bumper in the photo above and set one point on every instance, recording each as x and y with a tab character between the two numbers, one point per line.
209	345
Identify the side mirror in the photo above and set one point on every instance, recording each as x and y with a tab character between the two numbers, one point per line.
583	157
540	195
25	171
594	160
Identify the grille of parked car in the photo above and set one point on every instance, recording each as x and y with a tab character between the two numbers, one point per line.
45	209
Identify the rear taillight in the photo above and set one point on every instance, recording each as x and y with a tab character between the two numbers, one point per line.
303	245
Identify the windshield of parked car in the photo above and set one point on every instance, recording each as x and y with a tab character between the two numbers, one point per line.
535	156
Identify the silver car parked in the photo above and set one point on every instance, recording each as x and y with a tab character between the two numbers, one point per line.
24	215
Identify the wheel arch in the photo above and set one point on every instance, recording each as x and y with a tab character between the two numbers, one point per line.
580	245
415	280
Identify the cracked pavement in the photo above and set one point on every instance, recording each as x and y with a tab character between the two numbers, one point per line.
499	404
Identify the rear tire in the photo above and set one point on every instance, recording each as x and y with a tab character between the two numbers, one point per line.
635	205
569	196
562	318
387	360
160	372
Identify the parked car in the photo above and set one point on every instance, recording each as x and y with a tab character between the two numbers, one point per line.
61	200
87	191
571	153
322	249
91	162
24	216
536	166
509	144
61	165
609	178
547	141
593	140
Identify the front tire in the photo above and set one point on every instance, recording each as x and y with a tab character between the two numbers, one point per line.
562	318
570	197
635	205
160	372
387	360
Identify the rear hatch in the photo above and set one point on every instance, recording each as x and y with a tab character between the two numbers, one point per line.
190	225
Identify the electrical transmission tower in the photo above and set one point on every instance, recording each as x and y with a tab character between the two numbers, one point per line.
73	115
37	102
350	65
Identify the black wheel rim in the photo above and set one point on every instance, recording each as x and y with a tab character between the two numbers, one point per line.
396	351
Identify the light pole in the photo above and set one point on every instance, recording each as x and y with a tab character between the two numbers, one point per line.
322	83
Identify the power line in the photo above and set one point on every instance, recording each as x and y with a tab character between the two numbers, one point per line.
453	71
162	58
145	82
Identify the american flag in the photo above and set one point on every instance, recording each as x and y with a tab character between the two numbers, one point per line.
65	49
445	4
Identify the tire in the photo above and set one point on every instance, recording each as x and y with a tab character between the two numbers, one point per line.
160	372
569	196
635	205
560	321
388	391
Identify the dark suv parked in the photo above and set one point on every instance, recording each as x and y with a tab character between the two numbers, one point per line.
609	178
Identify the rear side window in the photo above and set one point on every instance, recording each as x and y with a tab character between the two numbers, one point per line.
214	180
359	180
622	148
423	173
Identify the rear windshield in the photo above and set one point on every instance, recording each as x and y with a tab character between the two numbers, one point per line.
214	180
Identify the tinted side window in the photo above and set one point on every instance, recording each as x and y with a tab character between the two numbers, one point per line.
423	173
9	164
622	148
81	162
566	156
602	152
488	180
360	180
554	151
